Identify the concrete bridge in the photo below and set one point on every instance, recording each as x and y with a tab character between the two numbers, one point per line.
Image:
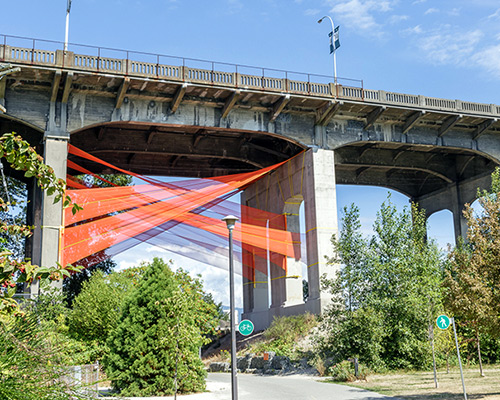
161	115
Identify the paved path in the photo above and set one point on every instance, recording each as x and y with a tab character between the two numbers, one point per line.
294	387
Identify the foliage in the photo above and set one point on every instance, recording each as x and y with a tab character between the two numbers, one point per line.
95	310
472	276
344	372
28	364
284	333
386	292
72	286
160	331
21	156
97	307
15	193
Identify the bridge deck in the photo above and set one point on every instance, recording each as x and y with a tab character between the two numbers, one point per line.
231	77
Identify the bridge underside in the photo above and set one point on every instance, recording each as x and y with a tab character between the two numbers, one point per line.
181	150
193	151
414	170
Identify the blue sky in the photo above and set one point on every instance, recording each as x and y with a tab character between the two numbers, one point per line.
447	49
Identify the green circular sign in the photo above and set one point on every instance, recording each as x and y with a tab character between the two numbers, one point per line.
246	327
443	322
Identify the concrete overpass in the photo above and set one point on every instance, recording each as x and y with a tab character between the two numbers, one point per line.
162	115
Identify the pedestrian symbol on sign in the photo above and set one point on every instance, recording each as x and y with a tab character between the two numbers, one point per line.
443	322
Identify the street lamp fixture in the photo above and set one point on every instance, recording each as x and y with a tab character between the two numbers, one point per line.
334	57
230	223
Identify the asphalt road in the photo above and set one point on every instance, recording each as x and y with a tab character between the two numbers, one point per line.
294	387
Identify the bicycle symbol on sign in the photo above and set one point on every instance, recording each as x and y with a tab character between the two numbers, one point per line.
246	327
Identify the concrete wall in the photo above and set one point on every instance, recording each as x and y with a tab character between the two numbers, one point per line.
308	178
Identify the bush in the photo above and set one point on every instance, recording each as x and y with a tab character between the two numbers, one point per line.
282	336
344	372
30	368
160	332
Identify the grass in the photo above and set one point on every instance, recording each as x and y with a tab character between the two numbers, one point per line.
420	385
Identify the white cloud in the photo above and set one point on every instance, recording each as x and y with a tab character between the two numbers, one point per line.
443	46
416	30
495	15
234	6
360	15
454	12
489	59
431	11
419	1
312	11
395	19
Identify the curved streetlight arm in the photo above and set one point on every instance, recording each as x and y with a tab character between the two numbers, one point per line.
334	57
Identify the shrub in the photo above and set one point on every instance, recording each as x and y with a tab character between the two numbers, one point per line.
30	368
160	332
344	372
282	336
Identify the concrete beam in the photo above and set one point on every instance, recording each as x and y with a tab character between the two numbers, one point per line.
482	127
448	124
358	166
100	133
151	135
3	84
230	102
372	117
179	94
67	87
122	91
412	120
278	107
267	150
328	113
55	86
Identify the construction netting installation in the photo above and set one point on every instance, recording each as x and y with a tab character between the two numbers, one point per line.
183	216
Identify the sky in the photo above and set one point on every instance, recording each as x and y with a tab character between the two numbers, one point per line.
445	49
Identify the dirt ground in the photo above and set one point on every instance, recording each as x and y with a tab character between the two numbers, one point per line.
420	385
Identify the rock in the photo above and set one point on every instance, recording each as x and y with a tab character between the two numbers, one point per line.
243	363
219	367
280	362
257	362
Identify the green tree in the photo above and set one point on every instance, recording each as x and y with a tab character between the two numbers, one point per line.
97	307
22	157
472	275
387	291
160	332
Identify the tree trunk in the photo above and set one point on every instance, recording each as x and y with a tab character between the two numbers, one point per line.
479	352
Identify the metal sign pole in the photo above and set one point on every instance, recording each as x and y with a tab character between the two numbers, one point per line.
459	360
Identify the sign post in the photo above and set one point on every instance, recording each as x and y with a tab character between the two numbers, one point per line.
443	322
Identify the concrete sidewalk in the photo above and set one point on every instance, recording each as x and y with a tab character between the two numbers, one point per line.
257	387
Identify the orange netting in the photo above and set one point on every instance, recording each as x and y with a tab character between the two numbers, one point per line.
183	215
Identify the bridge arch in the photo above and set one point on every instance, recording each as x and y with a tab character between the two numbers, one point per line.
183	150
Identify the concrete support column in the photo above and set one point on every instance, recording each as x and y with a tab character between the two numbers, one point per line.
56	155
293	282
321	222
451	198
457	208
34	242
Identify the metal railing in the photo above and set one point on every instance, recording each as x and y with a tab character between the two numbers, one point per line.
22	50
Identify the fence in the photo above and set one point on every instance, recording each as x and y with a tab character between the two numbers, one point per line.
83	379
183	69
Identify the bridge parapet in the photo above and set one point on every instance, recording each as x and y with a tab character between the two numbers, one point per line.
183	73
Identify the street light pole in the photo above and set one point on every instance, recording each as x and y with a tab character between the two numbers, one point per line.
230	222
68	8
334	51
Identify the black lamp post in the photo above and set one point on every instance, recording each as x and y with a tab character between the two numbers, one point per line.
230	222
